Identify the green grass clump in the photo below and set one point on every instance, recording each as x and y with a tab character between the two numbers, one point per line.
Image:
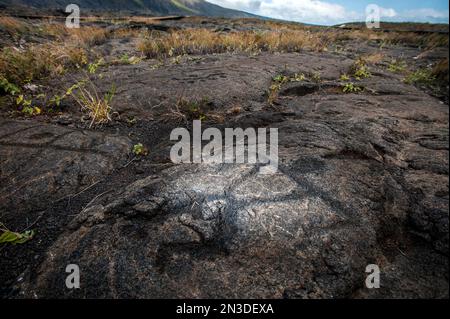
397	66
351	88
360	70
421	76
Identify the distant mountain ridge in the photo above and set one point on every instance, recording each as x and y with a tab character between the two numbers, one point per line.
153	7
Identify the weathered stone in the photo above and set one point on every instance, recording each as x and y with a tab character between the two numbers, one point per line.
41	163
363	179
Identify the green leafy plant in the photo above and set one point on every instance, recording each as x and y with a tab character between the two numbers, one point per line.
177	59
140	150
20	100
110	94
281	79
360	70
57	99
273	92
27	107
351	88
298	77
7	87
126	59
131	120
421	76
188	110
10	237
92	67
193	110
397	66
277	83
157	66
344	77
31	110
316	78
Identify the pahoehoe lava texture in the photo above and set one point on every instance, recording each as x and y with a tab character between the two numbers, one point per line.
363	179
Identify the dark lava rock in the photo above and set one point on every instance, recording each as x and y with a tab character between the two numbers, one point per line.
363	179
41	163
364	186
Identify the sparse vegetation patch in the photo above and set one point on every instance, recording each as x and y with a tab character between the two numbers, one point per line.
360	70
397	66
9	237
421	76
203	41
351	88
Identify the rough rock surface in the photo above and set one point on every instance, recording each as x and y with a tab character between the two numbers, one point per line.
43	168
41	162
363	179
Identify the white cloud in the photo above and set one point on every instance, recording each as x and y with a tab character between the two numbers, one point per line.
387	13
324	12
308	11
312	11
426	13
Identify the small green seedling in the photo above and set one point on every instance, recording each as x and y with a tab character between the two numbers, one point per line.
140	150
298	77
362	72
92	67
177	59
281	79
27	108
9	237
131	120
351	88
316	78
8	87
126	59
397	66
31	110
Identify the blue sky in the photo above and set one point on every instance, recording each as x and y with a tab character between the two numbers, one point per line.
331	12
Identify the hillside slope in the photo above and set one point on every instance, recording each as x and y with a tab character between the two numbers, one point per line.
154	7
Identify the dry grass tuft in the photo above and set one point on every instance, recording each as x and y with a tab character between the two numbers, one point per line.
88	36
67	48
21	66
12	25
203	41
277	39
85	36
97	108
186	110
